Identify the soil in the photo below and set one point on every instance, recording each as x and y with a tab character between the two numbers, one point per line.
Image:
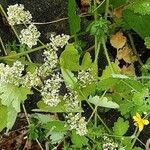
46	11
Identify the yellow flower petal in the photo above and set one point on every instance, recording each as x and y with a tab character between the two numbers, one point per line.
141	126
138	115
136	119
145	122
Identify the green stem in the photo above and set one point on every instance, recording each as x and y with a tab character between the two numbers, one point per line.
106	9
95	117
107	56
1	8
136	137
22	53
4	49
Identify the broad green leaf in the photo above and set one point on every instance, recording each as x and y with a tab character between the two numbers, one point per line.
103	102
12	95
33	132
3	117
74	19
120	127
78	140
69	78
11	117
117	3
69	58
56	137
107	73
147	42
55	126
140	6
139	97
139	23
86	61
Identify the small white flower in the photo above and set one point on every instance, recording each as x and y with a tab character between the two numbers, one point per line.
59	41
50	90
29	36
85	77
17	15
71	101
78	123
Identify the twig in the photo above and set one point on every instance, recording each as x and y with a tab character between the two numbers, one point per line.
4	49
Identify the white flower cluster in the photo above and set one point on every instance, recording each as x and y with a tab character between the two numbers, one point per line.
31	80
12	74
59	41
71	101
78	123
85	77
50	90
29	36
17	15
109	144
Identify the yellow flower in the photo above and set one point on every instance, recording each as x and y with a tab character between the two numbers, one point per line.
139	122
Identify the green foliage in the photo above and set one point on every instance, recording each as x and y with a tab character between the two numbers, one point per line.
120	127
139	23
78	141
3	112
147	42
13	96
140	6
103	102
74	19
69	58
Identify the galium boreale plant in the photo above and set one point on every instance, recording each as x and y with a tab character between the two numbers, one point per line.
116	88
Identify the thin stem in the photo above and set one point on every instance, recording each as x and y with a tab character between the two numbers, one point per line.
4	49
98	6
106	9
7	20
136	137
28	120
134	48
107	56
22	53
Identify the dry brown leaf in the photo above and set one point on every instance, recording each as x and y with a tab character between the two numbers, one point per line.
128	70
126	54
118	40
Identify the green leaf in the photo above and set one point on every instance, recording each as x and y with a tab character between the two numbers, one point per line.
120	127
103	102
107	73
147	42
33	132
86	61
69	58
12	95
74	19
69	78
140	6
55	126
117	3
56	137
139	97
78	140
3	117
139	23
11	117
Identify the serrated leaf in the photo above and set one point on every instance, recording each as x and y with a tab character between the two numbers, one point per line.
74	19
78	140
3	117
69	58
140	6
139	23
107	73
56	137
12	95
139	97
120	127
103	102
69	78
147	42
11	117
86	61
